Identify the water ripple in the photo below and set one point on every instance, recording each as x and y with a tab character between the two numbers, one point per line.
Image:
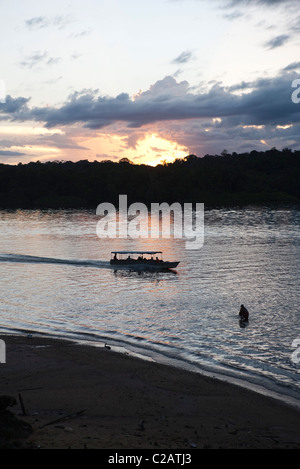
56	279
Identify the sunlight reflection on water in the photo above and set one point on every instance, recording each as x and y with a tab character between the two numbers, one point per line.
68	288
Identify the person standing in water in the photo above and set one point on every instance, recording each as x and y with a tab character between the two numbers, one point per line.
244	314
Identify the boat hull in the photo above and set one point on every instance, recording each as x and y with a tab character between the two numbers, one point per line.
143	265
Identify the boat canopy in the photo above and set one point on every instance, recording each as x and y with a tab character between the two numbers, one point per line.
136	252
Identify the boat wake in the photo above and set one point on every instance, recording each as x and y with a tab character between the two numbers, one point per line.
26	259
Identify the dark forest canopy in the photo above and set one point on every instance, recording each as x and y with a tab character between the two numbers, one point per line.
255	178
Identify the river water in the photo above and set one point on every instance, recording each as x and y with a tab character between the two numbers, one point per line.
56	280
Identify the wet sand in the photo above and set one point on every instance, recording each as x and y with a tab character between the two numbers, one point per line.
77	396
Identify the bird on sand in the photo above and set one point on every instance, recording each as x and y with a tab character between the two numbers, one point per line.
107	346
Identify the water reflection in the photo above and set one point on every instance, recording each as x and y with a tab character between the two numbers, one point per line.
56	278
151	275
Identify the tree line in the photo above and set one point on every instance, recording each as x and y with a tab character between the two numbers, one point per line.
254	178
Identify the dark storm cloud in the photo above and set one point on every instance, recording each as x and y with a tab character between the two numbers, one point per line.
249	114
266	102
12	106
269	101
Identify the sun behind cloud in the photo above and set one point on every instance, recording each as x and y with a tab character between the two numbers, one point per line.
153	150
149	148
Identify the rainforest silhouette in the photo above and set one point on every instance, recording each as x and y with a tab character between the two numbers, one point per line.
226	180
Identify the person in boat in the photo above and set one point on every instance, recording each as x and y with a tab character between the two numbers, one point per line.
115	256
244	314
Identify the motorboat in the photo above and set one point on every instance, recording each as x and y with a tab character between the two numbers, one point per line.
144	260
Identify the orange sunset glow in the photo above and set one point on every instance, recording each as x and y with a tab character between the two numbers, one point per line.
41	144
150	149
128	90
150	227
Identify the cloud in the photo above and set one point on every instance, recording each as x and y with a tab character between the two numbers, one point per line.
11	154
184	57
34	59
233	15
83	33
288	9
59	140
40	22
37	22
13	106
268	3
222	117
39	58
277	41
241	7
167	100
292	66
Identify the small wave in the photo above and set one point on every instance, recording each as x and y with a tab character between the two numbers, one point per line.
25	259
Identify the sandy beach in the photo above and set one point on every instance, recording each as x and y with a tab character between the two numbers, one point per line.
72	396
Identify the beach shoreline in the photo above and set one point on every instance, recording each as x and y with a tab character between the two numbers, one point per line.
81	396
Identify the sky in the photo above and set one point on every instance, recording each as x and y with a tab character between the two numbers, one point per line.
148	81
